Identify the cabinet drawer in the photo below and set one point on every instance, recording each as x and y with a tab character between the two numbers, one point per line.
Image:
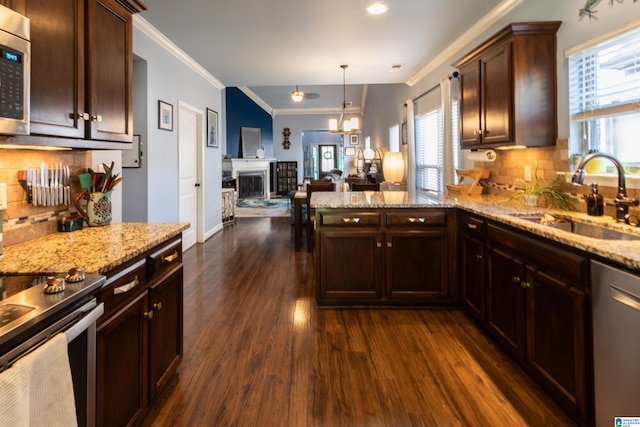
165	258
416	218
123	286
472	226
350	219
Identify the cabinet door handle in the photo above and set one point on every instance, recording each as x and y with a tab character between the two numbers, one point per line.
378	244
81	116
157	306
96	118
477	132
170	258
389	244
516	280
148	314
525	285
472	226
350	220
126	288
414	220
479	257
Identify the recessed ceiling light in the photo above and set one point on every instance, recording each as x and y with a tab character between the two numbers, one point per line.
377	8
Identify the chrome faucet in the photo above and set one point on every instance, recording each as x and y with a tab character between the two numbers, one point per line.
622	201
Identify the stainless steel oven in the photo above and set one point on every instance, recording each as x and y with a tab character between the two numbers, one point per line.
29	317
15	72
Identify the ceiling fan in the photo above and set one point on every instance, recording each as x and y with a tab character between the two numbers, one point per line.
298	95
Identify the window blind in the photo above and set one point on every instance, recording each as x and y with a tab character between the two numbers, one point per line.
604	79
429	150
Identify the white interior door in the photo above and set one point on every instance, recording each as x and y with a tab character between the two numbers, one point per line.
189	143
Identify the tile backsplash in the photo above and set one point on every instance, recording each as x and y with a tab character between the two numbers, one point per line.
23	221
546	162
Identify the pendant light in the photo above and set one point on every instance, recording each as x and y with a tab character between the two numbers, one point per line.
344	125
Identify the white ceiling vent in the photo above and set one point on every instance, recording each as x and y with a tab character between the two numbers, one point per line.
395	67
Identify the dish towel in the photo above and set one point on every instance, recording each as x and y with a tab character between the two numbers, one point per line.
38	390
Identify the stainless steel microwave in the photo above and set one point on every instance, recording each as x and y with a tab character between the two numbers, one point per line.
15	72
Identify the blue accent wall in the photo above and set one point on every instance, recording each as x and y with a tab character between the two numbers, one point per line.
243	112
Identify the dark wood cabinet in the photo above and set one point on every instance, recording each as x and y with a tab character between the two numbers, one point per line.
537	309
140	336
121	365
472	265
81	69
397	257
508	88
286	177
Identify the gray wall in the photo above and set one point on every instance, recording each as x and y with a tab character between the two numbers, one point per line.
169	79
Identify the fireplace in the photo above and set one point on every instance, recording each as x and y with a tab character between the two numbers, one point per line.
250	184
254	172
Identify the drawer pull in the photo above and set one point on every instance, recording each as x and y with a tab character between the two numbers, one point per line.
126	288
157	306
389	244
525	285
479	257
350	220
149	314
420	220
516	280
378	244
472	226
170	258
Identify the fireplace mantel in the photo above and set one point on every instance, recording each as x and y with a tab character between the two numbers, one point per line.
238	166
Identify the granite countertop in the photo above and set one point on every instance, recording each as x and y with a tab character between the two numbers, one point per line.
623	252
96	249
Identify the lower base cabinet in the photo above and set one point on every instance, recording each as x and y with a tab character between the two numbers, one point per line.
140	336
537	309
384	256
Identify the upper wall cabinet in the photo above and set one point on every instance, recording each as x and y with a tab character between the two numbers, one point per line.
81	71
508	88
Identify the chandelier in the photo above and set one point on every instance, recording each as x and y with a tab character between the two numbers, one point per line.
344	125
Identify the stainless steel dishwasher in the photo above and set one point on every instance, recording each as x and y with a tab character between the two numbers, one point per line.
616	343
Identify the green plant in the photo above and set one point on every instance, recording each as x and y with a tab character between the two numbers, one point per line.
555	192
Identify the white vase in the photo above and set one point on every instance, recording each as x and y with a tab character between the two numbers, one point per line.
531	200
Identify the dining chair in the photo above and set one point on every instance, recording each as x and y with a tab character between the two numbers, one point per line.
311	213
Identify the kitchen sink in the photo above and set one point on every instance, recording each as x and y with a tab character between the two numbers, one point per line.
580	228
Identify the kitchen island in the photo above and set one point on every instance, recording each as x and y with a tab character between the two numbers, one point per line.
527	284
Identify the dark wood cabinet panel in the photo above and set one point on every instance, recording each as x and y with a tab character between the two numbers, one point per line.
110	71
505	302
350	265
165	331
57	67
416	265
17	5
121	366
472	277
508	88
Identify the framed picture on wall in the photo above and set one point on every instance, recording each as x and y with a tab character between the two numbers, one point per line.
349	151
353	139
165	115
212	128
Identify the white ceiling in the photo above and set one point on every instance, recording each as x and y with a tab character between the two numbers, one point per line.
270	46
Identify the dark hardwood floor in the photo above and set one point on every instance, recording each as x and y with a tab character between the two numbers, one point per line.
259	353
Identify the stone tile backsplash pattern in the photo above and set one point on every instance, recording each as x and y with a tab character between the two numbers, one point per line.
548	161
22	221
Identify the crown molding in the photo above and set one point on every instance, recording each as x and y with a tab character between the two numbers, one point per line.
160	39
255	98
471	34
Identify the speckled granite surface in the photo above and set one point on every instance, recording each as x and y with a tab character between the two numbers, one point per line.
97	249
623	252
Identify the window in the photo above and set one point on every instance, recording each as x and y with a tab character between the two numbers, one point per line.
429	150
604	96
394	138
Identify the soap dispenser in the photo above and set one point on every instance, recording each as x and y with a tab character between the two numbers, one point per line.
595	205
